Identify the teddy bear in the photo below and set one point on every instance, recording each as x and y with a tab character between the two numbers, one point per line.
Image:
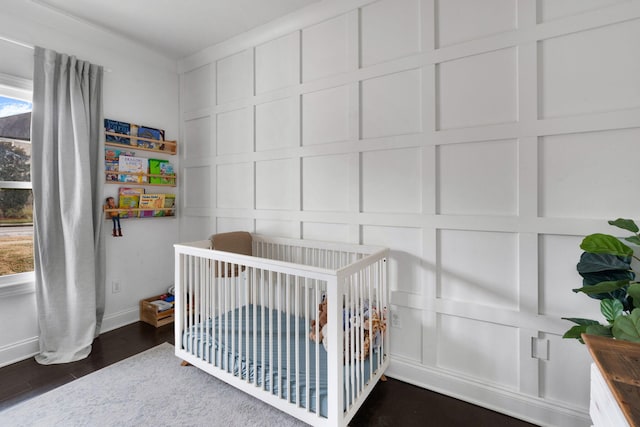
322	323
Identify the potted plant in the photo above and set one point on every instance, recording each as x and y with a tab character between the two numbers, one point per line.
605	267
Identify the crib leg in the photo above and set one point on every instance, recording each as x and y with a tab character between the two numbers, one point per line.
383	378
185	363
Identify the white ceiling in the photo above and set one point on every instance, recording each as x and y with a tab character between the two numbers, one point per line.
176	28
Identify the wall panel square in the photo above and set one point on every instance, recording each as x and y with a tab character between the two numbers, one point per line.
325	49
567	359
468	262
558	276
391	180
590	71
234	77
194	228
225	225
235	131
407	341
198	89
478	90
325	231
391	104
481	350
278	228
278	184
197	187
479	178
197	138
405	258
278	63
389	29
325	183
325	116
587	175
464	20
234	185
549	10
278	124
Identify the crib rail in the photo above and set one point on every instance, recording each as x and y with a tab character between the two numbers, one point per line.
250	320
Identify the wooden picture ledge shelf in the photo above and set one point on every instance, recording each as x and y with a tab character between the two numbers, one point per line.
619	363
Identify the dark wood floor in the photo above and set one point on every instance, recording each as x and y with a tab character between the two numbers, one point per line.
392	403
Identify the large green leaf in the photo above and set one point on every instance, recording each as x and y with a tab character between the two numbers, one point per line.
611	309
592	263
603	287
628	327
634	292
625	224
581	321
590	279
605	244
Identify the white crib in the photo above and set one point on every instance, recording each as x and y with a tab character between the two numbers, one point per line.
247	320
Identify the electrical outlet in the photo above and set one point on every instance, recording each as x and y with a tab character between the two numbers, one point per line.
396	320
115	287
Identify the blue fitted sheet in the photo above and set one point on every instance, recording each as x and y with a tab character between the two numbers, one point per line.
228	351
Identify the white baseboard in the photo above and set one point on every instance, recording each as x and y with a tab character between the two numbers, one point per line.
21	350
15	352
531	409
119	319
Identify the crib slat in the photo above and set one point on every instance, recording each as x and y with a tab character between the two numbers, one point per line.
307	352
279	333
318	344
264	310
297	340
288	334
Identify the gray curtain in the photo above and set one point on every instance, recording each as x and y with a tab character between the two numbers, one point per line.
67	183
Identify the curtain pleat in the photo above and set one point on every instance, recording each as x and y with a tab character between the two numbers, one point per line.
67	186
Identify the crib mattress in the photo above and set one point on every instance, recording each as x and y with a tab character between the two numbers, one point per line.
229	351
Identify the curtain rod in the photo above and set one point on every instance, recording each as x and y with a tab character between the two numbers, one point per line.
32	47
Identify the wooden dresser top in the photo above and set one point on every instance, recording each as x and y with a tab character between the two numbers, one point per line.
619	363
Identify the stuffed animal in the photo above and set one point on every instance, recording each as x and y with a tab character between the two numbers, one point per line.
322	323
366	328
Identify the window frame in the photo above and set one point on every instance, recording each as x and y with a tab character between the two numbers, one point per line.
19	283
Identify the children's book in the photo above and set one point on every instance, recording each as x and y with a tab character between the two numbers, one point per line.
136	165
117	127
169	176
152	201
151	133
155	168
111	162
169	202
129	198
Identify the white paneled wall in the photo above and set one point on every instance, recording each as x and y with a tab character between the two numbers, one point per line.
478	140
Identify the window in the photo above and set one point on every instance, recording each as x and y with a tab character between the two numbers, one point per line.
16	198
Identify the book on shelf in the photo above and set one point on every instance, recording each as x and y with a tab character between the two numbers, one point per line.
155	168
169	202
150	133
116	126
151	201
168	174
136	165
129	198
111	162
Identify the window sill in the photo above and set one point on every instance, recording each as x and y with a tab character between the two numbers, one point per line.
17	284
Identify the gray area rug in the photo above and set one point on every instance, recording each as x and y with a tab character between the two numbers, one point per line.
148	389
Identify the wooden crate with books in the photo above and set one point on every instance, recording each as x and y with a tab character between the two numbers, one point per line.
156	311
